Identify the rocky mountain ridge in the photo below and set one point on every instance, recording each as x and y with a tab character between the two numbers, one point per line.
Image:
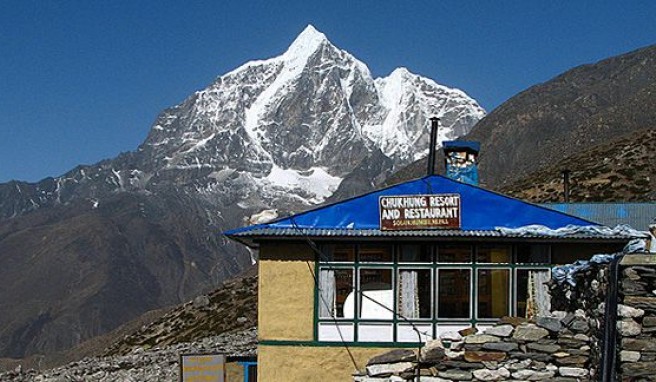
564	117
293	124
583	107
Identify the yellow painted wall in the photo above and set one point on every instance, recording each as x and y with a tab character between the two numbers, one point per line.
308	364
285	292
234	372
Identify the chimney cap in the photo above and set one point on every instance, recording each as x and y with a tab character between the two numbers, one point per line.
470	146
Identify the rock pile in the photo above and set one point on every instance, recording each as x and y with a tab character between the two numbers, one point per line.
156	364
553	348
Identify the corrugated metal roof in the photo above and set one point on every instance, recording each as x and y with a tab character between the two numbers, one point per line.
447	233
637	215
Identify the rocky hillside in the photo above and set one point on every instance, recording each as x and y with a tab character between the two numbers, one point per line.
230	308
621	170
84	252
152	365
76	271
567	115
222	321
583	107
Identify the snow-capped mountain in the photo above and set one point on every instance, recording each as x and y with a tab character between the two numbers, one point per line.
143	229
301	121
283	131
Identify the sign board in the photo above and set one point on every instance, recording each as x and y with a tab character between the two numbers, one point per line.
202	367
413	212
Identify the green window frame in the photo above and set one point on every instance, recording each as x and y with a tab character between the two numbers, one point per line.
396	265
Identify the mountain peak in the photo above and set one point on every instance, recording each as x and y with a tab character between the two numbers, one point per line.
311	33
400	71
306	43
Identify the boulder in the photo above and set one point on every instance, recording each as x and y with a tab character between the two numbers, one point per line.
529	332
500	330
387	369
481	339
432	352
394	356
500	374
552	324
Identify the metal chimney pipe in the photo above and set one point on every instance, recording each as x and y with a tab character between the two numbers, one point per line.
566	173
431	149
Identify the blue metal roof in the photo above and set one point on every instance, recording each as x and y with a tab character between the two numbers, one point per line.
481	210
637	215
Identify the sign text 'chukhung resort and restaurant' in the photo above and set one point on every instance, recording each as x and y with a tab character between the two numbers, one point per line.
408	212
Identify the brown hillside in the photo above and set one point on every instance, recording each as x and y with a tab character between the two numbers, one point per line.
621	170
583	107
93	268
232	307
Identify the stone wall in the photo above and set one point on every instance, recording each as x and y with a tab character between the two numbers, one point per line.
566	346
586	290
554	348
636	326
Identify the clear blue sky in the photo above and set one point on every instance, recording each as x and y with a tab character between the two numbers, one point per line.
81	81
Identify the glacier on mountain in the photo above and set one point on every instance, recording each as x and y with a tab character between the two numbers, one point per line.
315	109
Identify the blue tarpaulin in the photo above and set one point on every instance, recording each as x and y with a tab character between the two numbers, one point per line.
481	210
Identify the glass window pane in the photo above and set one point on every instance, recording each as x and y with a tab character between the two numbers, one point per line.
415	253
533	254
336	297
414	293
532	292
376	253
493	254
454	253
454	286
377	298
493	293
337	252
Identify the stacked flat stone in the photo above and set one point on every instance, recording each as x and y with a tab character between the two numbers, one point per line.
588	294
554	348
636	325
